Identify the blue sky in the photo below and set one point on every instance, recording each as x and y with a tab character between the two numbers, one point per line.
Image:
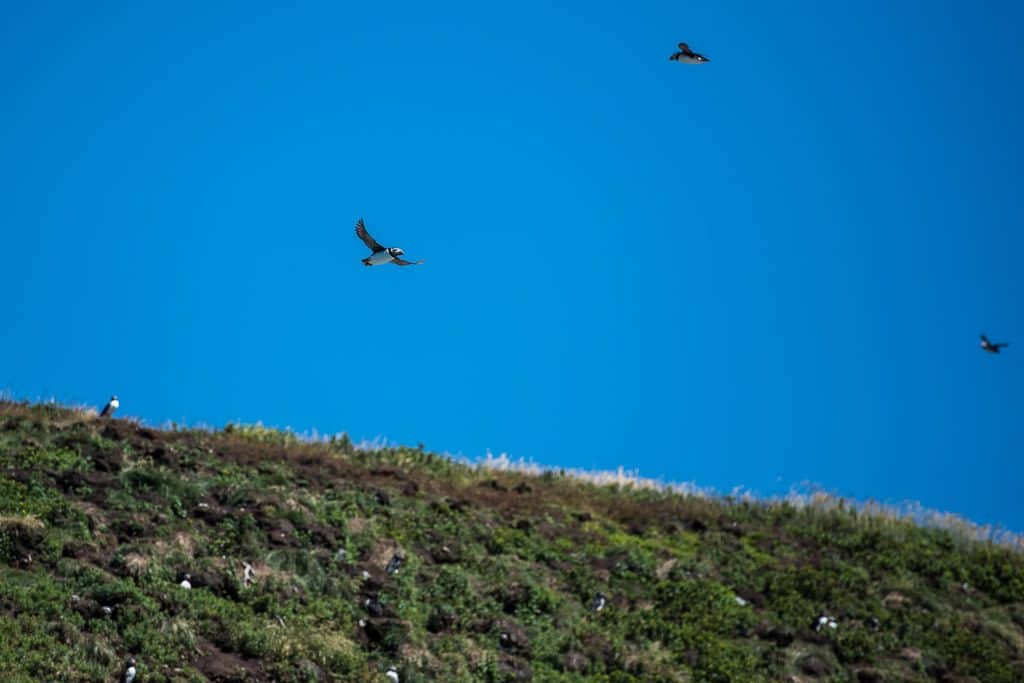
762	271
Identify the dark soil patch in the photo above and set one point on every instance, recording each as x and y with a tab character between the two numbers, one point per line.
223	667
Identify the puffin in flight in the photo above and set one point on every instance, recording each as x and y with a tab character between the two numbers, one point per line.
688	56
112	405
986	345
381	255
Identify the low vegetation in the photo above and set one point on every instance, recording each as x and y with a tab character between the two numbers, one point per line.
287	545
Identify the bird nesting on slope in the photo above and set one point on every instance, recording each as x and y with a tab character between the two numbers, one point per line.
395	564
128	676
112	405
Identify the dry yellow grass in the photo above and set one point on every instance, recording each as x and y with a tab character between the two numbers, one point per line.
23	521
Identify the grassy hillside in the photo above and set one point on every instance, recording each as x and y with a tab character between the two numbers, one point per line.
499	571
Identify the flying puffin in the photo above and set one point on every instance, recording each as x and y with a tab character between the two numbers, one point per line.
986	345
381	255
112	405
688	56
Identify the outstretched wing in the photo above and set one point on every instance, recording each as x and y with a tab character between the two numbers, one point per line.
402	262
365	236
1001	345
984	340
683	47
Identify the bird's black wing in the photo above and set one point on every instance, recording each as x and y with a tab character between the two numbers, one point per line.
365	237
984	339
1001	345
402	262
683	47
106	411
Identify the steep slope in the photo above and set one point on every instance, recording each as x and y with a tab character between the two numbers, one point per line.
288	545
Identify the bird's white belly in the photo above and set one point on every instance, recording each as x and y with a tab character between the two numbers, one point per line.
690	60
380	258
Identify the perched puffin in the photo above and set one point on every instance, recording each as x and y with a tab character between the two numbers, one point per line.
248	574
598	603
129	670
112	405
688	56
381	255
986	345
392	674
373	608
395	564
825	621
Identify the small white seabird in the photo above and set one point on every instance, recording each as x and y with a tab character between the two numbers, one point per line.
392	674
381	255
186	582
826	621
688	56
129	671
248	574
598	603
112	405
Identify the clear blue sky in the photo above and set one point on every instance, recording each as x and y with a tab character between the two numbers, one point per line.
761	271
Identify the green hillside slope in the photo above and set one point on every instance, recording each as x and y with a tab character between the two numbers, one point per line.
287	547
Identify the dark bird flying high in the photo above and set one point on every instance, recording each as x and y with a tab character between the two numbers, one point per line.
986	345
112	405
688	56
381	255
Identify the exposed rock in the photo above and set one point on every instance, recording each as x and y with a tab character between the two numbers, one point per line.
894	599
665	568
310	671
576	662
